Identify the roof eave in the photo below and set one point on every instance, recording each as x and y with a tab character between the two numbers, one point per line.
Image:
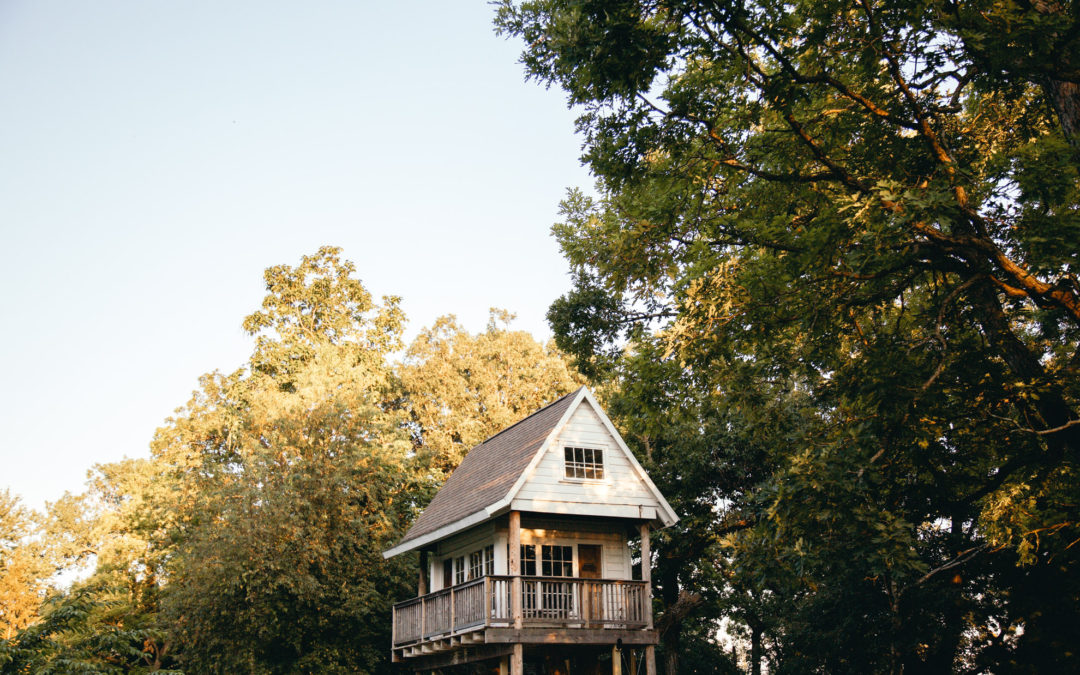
485	514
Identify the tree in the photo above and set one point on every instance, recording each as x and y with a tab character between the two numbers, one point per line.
291	476
464	388
876	204
22	570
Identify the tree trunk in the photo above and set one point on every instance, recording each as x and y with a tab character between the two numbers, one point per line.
755	649
1051	405
1065	99
671	633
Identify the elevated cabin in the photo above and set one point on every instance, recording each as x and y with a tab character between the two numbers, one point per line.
525	554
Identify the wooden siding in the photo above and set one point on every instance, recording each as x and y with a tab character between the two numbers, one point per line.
621	493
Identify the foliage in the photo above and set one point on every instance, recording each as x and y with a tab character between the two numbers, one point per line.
22	572
875	208
464	388
85	631
251	539
288	479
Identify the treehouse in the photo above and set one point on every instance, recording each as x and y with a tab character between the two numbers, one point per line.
525	559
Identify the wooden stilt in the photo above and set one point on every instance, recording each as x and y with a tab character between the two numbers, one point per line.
650	660
616	660
517	660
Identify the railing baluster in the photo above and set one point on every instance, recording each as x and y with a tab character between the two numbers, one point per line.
550	601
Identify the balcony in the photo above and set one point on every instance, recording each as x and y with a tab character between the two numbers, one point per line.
553	610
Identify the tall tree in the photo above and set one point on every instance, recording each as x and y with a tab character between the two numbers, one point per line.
878	203
463	388
291	476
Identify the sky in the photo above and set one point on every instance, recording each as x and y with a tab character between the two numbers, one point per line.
157	155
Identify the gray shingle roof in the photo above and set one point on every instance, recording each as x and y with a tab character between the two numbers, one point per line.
489	470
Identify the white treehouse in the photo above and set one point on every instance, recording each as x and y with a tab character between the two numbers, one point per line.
525	554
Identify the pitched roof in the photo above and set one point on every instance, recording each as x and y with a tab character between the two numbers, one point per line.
489	470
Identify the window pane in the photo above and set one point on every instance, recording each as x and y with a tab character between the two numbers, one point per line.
528	561
585	463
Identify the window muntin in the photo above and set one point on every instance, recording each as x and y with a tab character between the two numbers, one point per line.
489	560
476	564
584	463
556	561
459	570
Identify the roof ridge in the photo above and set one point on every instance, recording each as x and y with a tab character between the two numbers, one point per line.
530	416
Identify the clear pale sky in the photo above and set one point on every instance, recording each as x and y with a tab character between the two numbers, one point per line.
157	155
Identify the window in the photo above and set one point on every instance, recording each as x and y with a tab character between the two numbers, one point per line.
556	561
459	570
528	561
489	560
476	564
587	463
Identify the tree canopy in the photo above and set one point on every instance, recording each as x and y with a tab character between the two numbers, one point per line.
872	208
250	540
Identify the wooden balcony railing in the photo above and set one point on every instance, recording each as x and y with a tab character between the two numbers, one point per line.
547	601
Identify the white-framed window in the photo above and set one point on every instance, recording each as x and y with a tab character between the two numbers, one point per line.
528	561
489	560
476	564
556	561
459	570
584	463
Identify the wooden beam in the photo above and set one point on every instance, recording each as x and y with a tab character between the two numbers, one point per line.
517	658
650	660
515	567
646	573
460	656
570	636
422	583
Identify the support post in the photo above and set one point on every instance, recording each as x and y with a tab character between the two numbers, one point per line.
487	600
517	659
616	660
422	584
646	573
646	576
515	568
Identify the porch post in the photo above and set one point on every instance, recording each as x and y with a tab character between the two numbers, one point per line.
422	585
517	660
646	573
646	576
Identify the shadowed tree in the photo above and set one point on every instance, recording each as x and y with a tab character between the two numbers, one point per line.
876	205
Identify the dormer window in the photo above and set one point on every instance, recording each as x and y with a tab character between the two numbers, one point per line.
584	463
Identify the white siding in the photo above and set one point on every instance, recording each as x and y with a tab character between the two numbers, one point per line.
620	494
469	541
615	555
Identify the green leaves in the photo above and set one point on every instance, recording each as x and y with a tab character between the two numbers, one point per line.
873	206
